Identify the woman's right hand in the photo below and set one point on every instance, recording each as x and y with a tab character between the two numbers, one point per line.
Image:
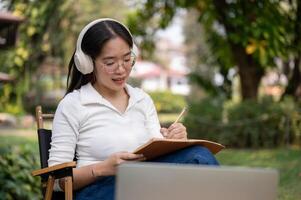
109	166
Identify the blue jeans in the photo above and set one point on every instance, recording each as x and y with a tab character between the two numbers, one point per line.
104	189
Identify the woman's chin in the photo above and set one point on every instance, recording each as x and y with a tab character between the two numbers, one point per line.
118	85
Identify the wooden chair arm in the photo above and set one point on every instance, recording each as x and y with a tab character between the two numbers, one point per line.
53	168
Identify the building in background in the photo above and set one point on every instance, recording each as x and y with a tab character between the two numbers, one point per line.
170	74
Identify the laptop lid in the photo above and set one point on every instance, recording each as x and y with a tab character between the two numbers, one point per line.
149	181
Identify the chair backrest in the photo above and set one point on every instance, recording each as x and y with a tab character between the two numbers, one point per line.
44	135
44	138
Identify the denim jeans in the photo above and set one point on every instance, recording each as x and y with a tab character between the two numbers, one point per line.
104	189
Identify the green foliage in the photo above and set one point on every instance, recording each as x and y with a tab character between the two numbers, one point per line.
247	124
8	98
286	161
49	31
203	118
17	160
256	124
34	43
248	35
167	102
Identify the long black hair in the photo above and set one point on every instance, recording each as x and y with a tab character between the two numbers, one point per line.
92	43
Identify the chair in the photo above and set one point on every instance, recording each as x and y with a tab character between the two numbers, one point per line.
49	174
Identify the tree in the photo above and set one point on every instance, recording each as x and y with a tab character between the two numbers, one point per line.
50	30
200	43
255	32
33	46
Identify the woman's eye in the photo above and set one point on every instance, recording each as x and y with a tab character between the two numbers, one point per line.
110	64
127	60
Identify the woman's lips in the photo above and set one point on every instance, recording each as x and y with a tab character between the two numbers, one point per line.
118	81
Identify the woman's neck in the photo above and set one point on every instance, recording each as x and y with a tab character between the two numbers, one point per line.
108	93
119	99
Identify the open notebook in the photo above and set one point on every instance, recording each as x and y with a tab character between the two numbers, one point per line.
157	147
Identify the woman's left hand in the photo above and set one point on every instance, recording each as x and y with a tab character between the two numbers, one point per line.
175	131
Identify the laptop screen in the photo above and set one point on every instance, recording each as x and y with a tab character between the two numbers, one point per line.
157	181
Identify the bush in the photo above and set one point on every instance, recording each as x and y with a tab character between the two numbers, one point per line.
167	102
203	119
247	124
255	124
16	164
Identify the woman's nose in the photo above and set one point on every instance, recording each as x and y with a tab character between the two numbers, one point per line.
121	66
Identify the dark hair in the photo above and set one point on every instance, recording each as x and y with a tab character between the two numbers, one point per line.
92	43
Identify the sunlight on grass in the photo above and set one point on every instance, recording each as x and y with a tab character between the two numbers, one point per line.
286	161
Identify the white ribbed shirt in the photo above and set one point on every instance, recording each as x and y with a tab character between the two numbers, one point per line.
91	128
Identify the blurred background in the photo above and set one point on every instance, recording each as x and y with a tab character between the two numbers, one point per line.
234	64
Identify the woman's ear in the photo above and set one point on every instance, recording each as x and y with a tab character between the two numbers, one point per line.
93	80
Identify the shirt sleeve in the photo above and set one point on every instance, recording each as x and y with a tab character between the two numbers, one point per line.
64	132
152	120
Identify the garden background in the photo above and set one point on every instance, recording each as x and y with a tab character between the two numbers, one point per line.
243	62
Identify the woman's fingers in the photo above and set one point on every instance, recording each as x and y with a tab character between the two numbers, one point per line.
116	159
164	132
130	156
175	126
178	136
177	131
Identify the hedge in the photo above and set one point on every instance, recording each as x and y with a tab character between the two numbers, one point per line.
250	124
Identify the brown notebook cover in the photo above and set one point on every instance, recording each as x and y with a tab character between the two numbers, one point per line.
157	147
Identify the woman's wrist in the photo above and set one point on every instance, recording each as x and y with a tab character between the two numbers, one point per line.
99	169
95	171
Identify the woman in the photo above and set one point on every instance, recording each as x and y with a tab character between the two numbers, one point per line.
101	119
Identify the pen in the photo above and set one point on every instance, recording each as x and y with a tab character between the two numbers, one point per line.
180	115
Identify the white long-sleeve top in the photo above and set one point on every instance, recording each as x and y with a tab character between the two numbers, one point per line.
91	128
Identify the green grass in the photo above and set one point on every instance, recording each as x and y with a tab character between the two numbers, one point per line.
286	161
17	140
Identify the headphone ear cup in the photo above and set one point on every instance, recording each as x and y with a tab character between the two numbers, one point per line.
135	50
83	62
134	61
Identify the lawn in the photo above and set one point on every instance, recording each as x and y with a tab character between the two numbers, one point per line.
286	160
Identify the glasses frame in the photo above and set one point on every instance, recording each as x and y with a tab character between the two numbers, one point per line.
124	65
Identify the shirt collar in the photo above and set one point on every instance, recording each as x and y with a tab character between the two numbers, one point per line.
88	95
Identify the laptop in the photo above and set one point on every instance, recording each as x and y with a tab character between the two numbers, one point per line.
157	181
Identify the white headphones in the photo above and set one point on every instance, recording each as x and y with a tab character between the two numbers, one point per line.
84	62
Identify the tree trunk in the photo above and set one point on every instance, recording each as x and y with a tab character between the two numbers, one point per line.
294	82
249	71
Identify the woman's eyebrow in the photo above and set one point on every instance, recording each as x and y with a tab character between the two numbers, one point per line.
126	54
112	57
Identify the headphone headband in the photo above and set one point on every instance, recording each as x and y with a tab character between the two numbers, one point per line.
83	62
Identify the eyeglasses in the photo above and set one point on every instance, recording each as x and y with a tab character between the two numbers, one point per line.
111	65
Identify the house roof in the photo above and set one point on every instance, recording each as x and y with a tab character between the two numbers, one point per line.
146	69
4	78
176	73
9	17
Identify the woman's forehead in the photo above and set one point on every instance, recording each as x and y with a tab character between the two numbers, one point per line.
115	47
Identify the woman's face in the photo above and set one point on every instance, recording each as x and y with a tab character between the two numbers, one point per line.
113	65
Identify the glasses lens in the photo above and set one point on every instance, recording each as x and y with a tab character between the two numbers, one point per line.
127	64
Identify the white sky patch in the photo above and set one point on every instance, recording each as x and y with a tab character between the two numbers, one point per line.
174	31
